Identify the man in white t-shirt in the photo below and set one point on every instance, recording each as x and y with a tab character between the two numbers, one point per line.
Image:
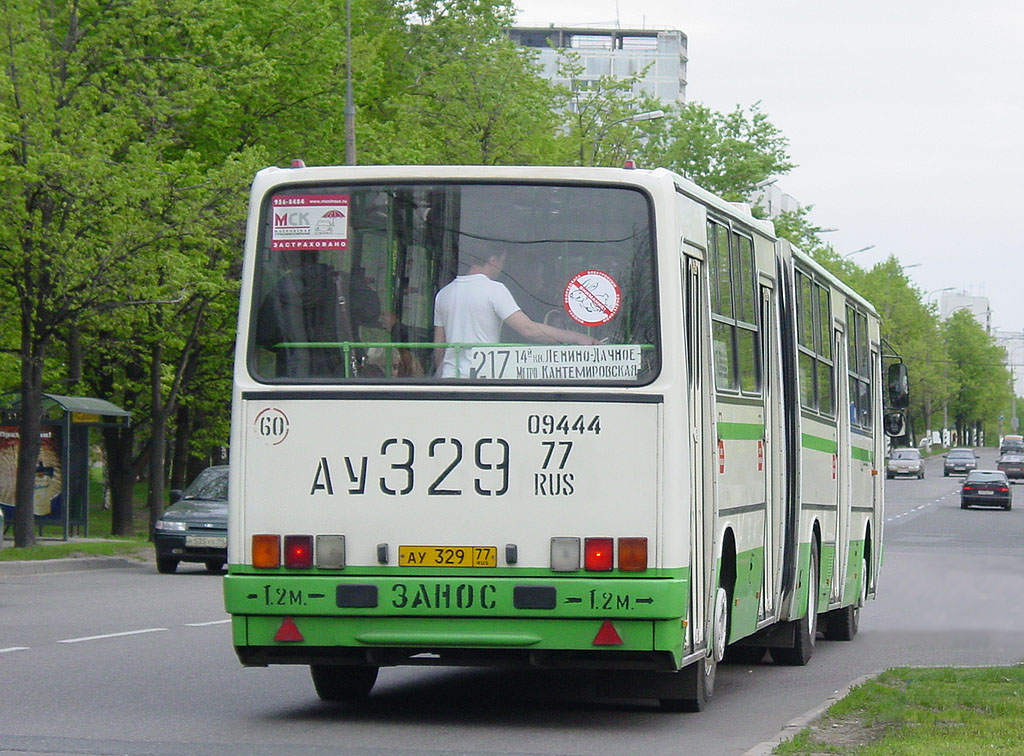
471	310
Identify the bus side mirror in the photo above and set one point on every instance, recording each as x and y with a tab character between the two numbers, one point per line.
899	386
894	424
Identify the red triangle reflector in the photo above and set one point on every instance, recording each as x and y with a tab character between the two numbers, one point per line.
288	632
607	635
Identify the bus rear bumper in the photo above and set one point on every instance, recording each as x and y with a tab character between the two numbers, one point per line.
507	642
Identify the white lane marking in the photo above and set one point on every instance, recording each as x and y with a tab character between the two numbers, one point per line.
922	506
114	635
14	648
207	624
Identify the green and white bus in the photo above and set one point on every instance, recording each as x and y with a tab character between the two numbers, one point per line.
699	479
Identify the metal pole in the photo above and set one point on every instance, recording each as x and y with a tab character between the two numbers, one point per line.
350	106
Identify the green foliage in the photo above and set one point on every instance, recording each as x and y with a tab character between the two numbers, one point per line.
976	365
729	154
477	97
802	232
909	328
596	126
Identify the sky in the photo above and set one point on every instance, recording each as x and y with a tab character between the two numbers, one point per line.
905	120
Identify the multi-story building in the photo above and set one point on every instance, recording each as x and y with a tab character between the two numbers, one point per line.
1013	343
614	52
773	199
977	306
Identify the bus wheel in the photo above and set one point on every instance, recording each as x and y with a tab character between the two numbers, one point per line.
842	624
698	679
806	626
342	684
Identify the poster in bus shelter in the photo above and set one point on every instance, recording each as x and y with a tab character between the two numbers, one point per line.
48	491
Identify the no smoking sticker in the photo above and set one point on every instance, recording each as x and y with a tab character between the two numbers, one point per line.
592	298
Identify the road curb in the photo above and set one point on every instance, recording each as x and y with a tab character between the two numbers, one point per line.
70	564
794	726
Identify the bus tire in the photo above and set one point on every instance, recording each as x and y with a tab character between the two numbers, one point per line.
341	684
842	624
698	679
698	687
806	628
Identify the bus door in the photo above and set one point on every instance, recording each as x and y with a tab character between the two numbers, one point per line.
774	498
699	391
844	463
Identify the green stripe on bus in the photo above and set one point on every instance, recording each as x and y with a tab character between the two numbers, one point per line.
817	443
862	454
741	431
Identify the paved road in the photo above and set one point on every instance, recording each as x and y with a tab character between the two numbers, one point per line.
128	661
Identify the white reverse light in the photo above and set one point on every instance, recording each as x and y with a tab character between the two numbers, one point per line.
330	551
565	554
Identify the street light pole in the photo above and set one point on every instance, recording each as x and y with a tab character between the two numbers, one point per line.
858	251
350	105
928	296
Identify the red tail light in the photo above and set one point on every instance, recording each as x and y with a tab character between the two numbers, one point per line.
598	554
298	551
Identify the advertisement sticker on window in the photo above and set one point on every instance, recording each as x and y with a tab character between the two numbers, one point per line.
310	221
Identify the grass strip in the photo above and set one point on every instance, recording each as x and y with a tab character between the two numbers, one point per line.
922	712
61	549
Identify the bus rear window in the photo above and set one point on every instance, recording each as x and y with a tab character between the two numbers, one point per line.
455	283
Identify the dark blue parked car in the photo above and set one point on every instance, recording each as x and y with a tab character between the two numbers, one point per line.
195	527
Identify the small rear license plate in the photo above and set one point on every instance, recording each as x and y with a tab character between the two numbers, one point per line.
207	542
983	492
448	556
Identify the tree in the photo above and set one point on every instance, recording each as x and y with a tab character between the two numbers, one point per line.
477	96
92	161
909	330
730	154
595	113
977	364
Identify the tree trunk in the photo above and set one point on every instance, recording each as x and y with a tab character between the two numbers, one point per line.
29	445
158	437
117	447
182	437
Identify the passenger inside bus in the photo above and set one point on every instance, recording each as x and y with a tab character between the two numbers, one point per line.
313	303
472	309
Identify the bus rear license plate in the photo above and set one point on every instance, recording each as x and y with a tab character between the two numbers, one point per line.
207	542
447	556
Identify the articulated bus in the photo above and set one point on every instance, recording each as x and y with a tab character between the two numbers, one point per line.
697	477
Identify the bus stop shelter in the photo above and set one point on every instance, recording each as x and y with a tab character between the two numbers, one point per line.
62	473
